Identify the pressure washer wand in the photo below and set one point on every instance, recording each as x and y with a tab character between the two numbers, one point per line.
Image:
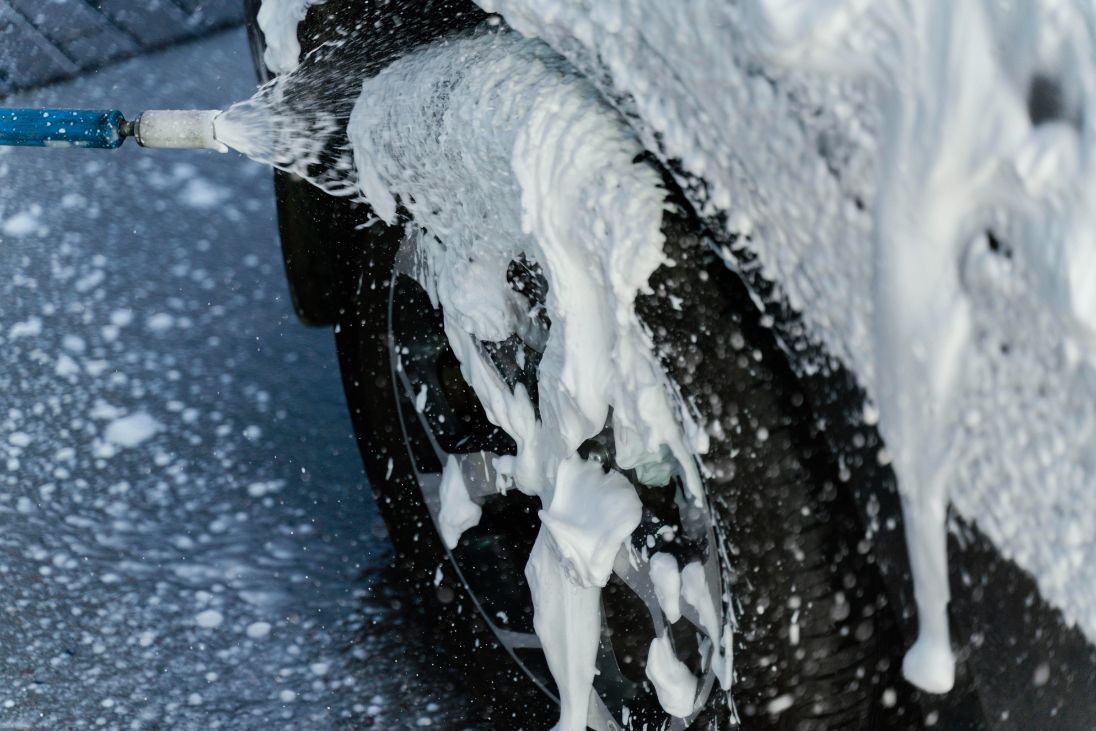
107	130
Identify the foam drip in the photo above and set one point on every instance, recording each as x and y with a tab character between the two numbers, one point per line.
512	155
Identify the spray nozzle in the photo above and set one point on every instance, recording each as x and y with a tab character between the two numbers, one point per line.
177	128
162	128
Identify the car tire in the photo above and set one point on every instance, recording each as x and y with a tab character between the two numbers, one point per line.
817	645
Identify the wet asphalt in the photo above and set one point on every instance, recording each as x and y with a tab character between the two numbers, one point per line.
187	540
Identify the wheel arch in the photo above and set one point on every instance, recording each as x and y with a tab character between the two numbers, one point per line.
319	233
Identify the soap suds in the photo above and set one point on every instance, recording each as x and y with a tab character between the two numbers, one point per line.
23	223
695	592
132	431
874	156
278	20
258	630
458	511
201	194
209	619
590	515
667	580
515	156
674	685
567	620
29	328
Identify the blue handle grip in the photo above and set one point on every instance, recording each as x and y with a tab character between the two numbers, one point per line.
61	128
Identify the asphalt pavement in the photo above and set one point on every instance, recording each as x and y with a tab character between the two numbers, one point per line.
187	540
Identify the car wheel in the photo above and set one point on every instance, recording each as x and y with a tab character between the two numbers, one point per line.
815	643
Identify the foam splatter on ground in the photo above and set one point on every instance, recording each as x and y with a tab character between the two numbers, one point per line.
186	538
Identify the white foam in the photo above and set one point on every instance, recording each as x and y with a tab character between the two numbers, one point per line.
458	512
23	223
209	619
667	580
521	158
202	194
861	150
567	620
29	328
674	685
590	515
19	439
132	430
696	593
278	20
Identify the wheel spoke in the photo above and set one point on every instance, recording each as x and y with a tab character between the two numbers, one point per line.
516	640
427	428
478	469
598	717
638	579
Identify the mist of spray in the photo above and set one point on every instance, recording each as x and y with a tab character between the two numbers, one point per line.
297	122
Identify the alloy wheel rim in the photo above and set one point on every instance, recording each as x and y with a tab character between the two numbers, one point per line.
431	396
